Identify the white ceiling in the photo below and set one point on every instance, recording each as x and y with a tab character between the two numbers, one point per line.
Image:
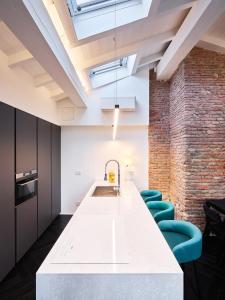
151	38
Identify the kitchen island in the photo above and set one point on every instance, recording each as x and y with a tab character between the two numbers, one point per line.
111	249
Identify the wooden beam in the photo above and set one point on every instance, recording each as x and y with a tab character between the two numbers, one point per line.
31	23
19	58
42	80
202	15
129	49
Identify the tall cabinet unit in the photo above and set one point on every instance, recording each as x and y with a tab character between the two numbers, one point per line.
7	188
30	182
26	161
56	171
44	176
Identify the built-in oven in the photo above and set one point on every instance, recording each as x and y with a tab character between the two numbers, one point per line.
26	186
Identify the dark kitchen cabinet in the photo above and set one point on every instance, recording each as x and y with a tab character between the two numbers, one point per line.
7	189
44	176
56	171
26	226
26	142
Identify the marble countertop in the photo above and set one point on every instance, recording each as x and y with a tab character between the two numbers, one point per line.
111	235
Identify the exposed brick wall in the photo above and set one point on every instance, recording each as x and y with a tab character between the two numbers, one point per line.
159	143
178	142
205	130
197	133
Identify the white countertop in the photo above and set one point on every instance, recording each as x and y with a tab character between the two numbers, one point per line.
111	235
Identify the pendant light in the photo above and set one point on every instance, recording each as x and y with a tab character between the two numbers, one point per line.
117	107
116	118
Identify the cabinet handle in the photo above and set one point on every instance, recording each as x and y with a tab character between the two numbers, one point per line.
25	183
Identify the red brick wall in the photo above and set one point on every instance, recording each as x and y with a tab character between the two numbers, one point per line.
197	133
159	143
178	142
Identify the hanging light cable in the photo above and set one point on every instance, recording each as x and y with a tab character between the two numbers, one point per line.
117	107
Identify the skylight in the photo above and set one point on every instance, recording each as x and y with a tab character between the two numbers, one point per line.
83	6
117	64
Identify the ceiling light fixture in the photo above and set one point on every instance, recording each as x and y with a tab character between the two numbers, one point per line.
116	118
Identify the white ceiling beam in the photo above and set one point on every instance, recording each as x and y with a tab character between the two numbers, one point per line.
154	8
42	80
19	58
202	15
174	6
150	59
212	43
136	63
30	22
57	94
149	67
129	49
164	8
213	40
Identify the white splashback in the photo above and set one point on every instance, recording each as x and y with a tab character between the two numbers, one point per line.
85	151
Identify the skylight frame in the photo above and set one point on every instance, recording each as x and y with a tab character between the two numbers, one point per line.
119	63
92	5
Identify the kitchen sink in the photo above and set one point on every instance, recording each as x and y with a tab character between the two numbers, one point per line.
106	191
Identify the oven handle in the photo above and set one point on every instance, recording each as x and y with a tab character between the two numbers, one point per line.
25	183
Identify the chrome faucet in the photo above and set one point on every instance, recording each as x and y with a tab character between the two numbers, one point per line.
118	165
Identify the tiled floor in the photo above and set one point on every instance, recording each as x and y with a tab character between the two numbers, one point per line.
20	283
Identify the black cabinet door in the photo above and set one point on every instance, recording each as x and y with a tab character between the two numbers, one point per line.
44	176
7	189
56	170
26	142
26	226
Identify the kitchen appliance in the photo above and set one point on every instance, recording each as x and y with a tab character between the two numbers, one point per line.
26	186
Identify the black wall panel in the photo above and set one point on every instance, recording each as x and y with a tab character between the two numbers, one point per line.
7	189
44	176
56	170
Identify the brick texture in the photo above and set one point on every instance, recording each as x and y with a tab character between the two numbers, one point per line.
159	142
192	125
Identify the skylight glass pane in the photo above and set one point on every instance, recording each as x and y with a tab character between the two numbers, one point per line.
116	64
89	2
84	6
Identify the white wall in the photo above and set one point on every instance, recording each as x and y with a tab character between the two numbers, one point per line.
86	149
17	89
132	86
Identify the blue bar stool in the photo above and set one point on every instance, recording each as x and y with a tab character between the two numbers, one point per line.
161	210
185	241
151	195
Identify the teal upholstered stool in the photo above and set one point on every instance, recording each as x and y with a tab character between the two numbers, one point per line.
151	195
184	239
161	210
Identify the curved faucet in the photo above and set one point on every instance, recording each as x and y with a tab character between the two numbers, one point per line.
118	165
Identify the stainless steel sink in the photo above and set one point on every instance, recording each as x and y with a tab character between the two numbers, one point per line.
106	191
